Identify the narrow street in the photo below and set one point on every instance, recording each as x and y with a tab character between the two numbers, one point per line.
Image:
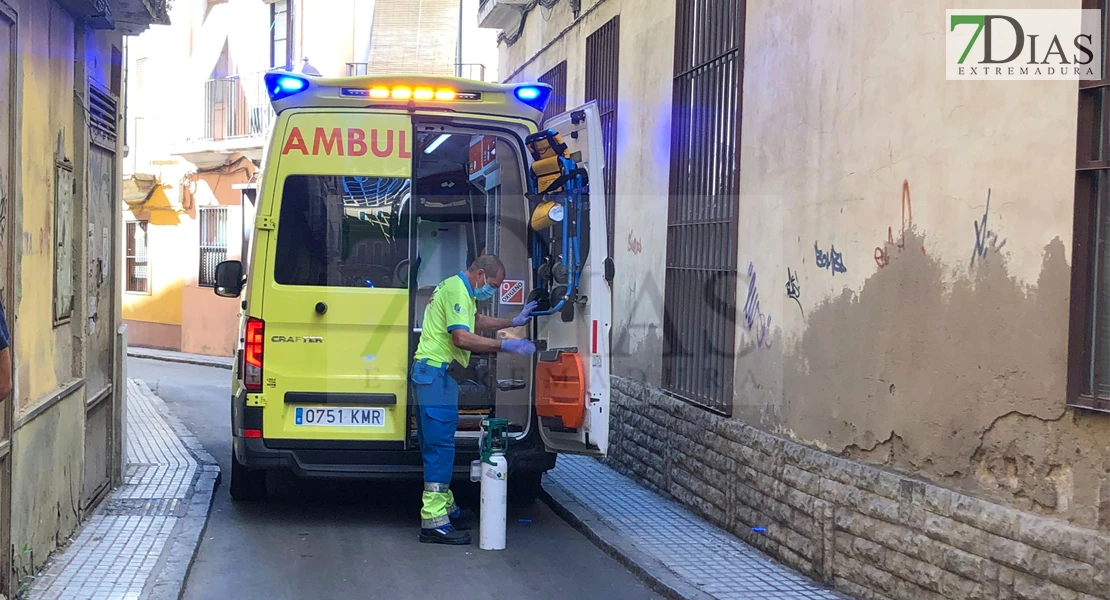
342	540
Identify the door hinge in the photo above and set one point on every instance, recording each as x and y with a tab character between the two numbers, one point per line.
265	223
256	401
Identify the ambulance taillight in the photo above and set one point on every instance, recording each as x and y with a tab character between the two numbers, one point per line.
252	354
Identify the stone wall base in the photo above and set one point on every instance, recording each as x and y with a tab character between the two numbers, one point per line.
870	533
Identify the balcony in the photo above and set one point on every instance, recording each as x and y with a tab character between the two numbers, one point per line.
473	71
501	14
236	107
236	118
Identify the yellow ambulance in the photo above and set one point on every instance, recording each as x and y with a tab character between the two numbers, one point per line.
373	190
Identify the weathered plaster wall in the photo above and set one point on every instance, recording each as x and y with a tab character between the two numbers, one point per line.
47	452
950	360
940	346
47	469
44	352
643	150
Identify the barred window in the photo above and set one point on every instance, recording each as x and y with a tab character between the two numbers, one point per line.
213	242
1089	356
556	77
700	299
602	75
138	268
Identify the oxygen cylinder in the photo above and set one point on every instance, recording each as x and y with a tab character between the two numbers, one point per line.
495	492
492	444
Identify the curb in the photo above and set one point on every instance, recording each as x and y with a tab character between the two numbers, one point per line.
173	568
650	570
181	359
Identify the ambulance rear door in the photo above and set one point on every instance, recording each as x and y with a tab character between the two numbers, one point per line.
572	374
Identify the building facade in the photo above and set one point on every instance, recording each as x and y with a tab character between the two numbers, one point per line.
856	311
199	116
61	148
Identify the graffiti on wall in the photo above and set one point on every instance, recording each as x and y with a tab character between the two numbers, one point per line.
634	245
831	260
882	255
793	290
986	239
753	314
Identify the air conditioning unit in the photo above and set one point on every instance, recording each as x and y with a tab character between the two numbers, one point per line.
501	14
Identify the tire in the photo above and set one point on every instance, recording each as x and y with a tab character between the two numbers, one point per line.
525	487
247	485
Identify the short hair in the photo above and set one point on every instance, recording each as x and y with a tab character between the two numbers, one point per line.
488	263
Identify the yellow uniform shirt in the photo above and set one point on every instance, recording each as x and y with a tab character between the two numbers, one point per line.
452	307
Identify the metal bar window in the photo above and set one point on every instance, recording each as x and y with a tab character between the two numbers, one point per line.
213	242
1089	336
700	301
556	77
602	74
138	268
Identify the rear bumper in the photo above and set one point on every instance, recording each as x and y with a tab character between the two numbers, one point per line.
323	462
322	459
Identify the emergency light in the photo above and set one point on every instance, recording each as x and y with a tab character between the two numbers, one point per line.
533	95
404	92
281	86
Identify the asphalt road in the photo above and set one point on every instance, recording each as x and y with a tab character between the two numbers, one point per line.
343	540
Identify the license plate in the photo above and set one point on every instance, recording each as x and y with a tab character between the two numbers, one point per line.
339	417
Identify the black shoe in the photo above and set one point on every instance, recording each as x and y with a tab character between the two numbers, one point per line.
444	535
465	520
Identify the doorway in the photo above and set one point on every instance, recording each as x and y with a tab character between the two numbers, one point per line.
99	292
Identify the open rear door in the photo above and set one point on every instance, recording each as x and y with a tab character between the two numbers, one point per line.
572	375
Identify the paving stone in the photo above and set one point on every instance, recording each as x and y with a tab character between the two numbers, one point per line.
115	550
710	558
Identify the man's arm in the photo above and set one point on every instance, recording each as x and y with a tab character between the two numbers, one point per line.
474	342
5	372
488	323
5	356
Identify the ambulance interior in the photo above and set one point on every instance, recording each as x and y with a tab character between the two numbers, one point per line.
468	199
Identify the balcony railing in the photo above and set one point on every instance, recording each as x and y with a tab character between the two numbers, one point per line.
236	107
473	71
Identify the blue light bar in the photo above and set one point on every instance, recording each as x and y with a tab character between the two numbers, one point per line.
280	85
533	95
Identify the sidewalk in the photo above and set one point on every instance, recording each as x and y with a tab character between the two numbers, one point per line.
223	362
139	542
678	553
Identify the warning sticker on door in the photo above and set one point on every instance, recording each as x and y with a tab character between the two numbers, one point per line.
512	292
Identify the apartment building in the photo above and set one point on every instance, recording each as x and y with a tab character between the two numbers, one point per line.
199	116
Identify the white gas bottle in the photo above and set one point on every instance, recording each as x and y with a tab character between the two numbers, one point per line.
495	493
494	475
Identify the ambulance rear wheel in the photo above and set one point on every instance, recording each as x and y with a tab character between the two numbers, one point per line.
525	487
246	484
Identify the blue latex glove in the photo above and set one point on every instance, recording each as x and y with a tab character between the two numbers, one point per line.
522	318
516	346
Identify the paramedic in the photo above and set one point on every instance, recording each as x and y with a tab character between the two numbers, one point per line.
450	333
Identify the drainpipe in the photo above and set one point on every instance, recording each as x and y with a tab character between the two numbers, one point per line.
458	46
